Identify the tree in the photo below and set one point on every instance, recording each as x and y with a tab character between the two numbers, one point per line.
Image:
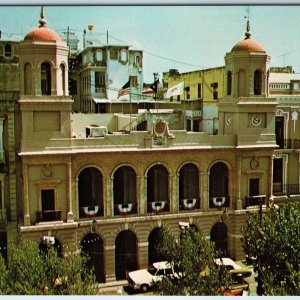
193	258
32	272
273	241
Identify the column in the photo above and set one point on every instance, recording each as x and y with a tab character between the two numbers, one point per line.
108	199
239	204
141	195
270	196
70	216
205	191
26	196
174	195
54	80
109	263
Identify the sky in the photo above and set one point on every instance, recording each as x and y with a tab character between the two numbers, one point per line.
182	37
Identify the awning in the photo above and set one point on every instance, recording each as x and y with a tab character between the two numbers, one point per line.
104	100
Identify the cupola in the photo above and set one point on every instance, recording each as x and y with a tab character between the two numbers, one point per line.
43	58
246	67
248	44
43	33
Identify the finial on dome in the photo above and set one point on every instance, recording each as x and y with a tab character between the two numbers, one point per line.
248	33
42	17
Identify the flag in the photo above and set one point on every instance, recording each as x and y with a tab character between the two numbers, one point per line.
154	85
152	89
175	90
125	90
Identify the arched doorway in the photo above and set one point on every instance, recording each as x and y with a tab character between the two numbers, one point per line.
90	193
153	241
92	245
218	235
125	254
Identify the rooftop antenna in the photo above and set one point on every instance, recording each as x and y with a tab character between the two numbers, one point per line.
284	55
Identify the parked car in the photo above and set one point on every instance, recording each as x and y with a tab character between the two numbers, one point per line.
145	279
231	265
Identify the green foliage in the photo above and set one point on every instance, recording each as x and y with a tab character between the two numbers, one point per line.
194	256
275	244
30	272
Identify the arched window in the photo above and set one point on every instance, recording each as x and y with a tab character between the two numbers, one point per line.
257	82
99	55
90	193
63	78
125	191
123	55
157	189
218	186
7	50
229	82
27	79
138	60
189	187
46	78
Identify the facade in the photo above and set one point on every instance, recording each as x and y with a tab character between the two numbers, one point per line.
81	175
9	93
284	86
110	194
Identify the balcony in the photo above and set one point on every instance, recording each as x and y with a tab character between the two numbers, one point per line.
48	215
288	143
286	189
255	200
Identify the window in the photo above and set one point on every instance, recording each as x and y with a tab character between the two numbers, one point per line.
296	85
99	55
133	81
257	82
229	82
138	60
178	97
63	78
199	90
214	85
123	55
7	50
253	187
99	81
215	95
48	199
46	79
188	95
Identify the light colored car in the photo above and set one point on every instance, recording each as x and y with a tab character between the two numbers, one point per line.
144	279
232	266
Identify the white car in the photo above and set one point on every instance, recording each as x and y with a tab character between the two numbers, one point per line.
232	266
144	279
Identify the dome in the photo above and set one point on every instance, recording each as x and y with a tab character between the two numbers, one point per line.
43	33
248	45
